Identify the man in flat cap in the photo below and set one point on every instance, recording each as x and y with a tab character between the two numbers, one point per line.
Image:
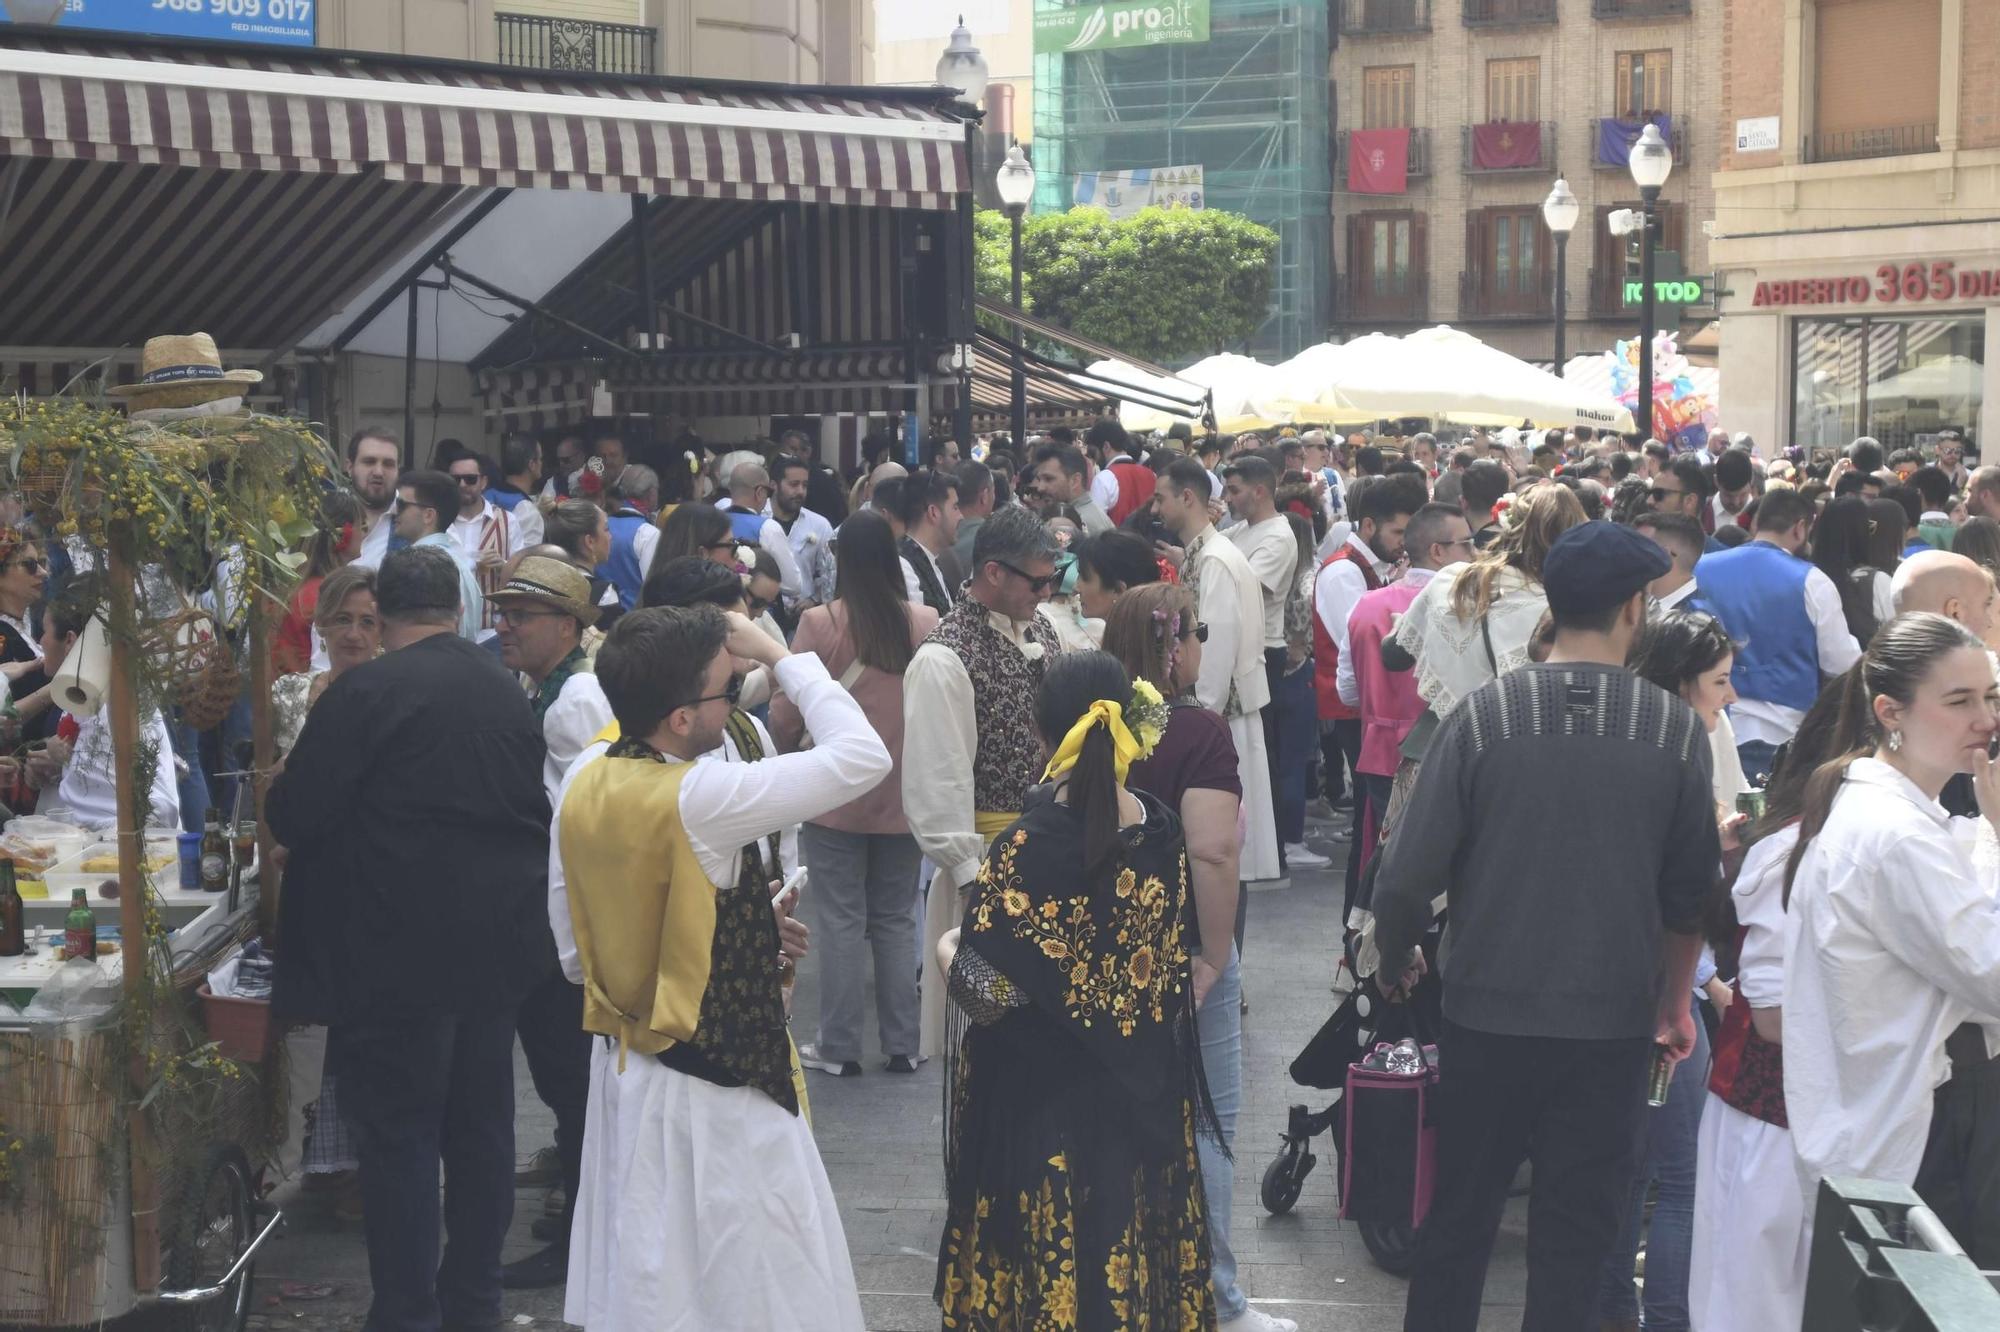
1566	810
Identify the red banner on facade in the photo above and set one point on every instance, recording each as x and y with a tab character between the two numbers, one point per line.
1378	161
1500	144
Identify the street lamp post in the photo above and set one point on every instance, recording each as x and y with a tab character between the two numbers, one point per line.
1016	186
964	68
1652	161
1560	210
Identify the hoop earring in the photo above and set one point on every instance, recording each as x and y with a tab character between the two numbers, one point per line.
1895	741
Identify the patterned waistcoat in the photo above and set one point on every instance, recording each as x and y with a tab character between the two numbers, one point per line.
1004	683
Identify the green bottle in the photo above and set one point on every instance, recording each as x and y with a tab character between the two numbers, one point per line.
80	927
13	940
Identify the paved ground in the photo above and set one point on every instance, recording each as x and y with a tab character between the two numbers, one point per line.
879	1137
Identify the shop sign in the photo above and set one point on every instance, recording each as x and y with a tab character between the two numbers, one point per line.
1691	289
1913	283
1104	27
1757	134
278	22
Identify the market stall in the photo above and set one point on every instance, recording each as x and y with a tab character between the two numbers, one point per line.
318	208
136	1108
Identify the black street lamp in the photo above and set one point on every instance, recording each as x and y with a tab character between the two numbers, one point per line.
1652	161
1561	210
1016	185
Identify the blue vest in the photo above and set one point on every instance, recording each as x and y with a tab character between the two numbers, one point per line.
1759	594
505	499
622	568
745	526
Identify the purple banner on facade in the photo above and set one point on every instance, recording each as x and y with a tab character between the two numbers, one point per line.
1615	137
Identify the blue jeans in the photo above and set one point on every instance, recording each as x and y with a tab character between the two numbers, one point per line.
1219	1023
1756	756
193	787
1671	1131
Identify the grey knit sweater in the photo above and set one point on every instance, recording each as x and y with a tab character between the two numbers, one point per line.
1567	814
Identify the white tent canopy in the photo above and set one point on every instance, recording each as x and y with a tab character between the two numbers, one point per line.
1445	374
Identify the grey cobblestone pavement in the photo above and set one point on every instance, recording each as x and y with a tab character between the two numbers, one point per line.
879	1136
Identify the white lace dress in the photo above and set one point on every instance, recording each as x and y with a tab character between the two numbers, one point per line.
1454	656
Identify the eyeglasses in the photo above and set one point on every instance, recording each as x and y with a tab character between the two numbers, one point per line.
732	693
514	616
1199	633
1039	584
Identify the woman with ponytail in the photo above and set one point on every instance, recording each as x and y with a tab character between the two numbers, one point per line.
1074	1193
1891	937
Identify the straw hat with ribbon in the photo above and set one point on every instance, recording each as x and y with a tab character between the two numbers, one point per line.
182	370
542	581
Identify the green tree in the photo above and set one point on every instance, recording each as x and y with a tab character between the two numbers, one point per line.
1163	285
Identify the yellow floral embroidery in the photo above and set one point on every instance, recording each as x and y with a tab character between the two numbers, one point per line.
1120	989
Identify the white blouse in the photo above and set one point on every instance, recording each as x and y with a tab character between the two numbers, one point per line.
1891	942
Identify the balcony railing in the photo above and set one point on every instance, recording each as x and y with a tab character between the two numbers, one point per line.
1477	298
1677	137
1618	9
1419	167
1362	18
558	43
1888	141
1499	13
1544	157
1361	303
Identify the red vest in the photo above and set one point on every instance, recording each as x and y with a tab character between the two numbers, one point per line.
1326	657
1390	703
1135	490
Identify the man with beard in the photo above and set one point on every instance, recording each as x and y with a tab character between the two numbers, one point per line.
1366	562
809	533
374	460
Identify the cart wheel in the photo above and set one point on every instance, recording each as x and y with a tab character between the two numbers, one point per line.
211	1232
1284	1177
1393	1246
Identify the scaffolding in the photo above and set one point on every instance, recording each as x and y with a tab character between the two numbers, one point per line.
1249	106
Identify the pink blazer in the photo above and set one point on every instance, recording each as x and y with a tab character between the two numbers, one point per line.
1390	704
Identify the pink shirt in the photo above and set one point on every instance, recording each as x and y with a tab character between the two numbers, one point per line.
823	632
1390	704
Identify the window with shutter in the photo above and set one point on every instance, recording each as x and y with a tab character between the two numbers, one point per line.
1875	79
1514	89
1510	255
1388	97
1643	83
1383	254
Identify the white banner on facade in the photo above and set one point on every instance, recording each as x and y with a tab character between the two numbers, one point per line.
1123	193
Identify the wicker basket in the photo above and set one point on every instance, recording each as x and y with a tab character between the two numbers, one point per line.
40	480
192	651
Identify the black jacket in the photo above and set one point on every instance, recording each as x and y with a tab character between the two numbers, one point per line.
935	595
418	828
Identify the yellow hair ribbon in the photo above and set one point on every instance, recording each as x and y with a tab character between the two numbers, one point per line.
1111	716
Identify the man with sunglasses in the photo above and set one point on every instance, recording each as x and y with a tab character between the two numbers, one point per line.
425	503
1684	488
701	1173
969	713
482	529
542	612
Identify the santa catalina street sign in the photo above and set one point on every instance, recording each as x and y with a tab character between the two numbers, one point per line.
1107	26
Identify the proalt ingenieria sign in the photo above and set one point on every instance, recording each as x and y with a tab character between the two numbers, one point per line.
1104	27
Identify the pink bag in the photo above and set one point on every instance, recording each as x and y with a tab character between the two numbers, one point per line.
1389	1143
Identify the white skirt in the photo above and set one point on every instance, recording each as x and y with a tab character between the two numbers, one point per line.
1752	1238
701	1209
1253	769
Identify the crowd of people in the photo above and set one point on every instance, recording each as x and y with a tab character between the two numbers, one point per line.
577	740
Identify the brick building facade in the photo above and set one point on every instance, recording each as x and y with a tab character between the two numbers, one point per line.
1465	242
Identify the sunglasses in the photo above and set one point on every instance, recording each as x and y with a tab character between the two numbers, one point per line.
1199	633
1661	492
31	564
1039	584
514	616
473	480
732	693
756	606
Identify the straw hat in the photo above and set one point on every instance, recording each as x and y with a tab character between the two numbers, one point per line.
182	370
543	581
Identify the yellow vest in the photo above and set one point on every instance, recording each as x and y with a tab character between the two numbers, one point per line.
644	915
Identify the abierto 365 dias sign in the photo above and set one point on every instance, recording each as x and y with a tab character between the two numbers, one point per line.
1118	23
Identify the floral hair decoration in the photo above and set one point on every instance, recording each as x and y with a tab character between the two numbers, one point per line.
1129	740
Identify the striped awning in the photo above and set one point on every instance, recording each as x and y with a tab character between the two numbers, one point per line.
823	382
125	99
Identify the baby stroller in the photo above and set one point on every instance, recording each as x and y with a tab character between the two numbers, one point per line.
1381	1142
